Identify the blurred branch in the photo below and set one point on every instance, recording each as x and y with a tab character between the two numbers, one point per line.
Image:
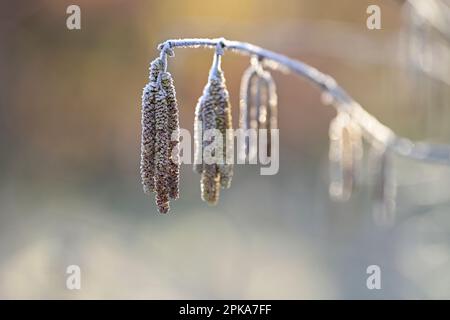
373	130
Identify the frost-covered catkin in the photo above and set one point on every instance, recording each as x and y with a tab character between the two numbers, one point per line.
174	135
213	135
258	103
147	166
162	153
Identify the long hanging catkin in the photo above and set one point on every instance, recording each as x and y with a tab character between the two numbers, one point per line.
160	137
213	116
258	102
174	135
162	153
148	134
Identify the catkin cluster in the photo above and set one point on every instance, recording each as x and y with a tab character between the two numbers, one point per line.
214	138
213	135
160	137
345	158
258	102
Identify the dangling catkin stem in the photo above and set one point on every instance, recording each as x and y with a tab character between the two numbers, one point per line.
258	102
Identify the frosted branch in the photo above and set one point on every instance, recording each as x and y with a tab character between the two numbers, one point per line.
373	130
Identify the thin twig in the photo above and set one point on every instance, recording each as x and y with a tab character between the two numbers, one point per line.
373	130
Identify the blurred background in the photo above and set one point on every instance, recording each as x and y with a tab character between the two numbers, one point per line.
70	190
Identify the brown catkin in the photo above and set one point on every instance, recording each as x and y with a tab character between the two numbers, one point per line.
162	153
213	120
147	165
174	135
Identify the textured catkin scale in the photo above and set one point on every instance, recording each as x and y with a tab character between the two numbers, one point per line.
174	135
148	134
162	153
